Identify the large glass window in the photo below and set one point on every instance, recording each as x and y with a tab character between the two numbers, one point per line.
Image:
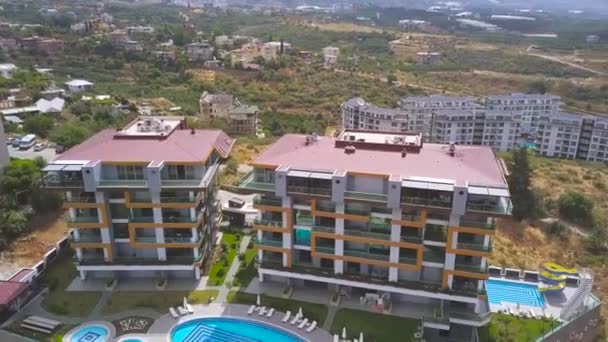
130	172
178	172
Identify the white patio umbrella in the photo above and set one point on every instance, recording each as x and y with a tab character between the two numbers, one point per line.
344	333
185	304
300	313
336	338
258	301
361	337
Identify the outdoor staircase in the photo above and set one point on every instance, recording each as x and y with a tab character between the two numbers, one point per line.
583	291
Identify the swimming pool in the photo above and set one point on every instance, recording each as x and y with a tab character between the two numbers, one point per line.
504	291
90	333
229	329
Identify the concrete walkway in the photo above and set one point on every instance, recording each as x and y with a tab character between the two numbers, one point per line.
331	313
234	268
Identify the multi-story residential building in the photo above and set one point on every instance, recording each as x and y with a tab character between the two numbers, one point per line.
142	200
4	157
47	45
530	106
215	105
358	114
199	52
421	109
381	213
243	119
558	135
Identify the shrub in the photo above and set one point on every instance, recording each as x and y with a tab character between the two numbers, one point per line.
224	247
576	207
221	272
558	229
241	256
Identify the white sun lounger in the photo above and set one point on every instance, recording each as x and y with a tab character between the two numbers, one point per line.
311	327
251	309
303	323
294	320
182	311
189	309
270	313
287	316
262	311
173	313
532	314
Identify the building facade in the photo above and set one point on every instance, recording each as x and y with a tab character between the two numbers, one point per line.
530	106
243	119
382	213
199	52
141	201
215	105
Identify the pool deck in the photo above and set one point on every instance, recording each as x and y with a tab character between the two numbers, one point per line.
554	302
161	329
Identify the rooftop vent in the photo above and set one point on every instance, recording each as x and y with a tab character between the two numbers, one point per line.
350	149
452	149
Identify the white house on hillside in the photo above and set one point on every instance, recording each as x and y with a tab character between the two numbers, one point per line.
76	86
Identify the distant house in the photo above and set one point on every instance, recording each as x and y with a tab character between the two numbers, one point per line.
165	56
330	55
592	39
13	295
50	106
199	52
7	69
140	29
428	58
243	119
48	45
215	105
76	86
9	44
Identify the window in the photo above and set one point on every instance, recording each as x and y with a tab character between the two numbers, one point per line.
130	172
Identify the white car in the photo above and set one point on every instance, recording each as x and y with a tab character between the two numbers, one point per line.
39	147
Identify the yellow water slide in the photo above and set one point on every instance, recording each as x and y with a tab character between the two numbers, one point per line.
558	287
554	268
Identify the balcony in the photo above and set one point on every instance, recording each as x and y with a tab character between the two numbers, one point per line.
272	202
382	210
140	198
324	229
435	233
356	211
141	219
327	208
178	199
471	268
122	183
499	208
407	261
56	176
477	224
83	219
366	255
145	239
309	190
181	183
248	183
364	196
411	238
432	256
474	246
304	219
379	225
365	233
325	250
427	202
270	243
410	217
86	238
182	239
79	199
130	261
268	222
180	219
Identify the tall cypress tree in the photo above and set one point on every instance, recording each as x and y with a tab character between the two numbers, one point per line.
519	185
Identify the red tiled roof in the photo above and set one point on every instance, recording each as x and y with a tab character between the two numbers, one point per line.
471	164
180	146
9	290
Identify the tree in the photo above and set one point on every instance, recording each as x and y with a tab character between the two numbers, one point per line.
69	134
40	125
12	223
576	207
21	178
391	79
519	184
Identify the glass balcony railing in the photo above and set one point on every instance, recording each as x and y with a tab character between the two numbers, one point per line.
308	190
501	207
411	238
364	196
79	199
366	255
181	183
471	268
268	222
325	250
365	233
304	219
181	239
431	256
328	208
324	229
269	242
141	219
357	211
435	234
443	203
122	183
145	239
382	210
86	238
274	202
177	199
184	260
381	225
248	182
410	217
474	246
140	198
477	224
83	219
407	261
179	219
445	320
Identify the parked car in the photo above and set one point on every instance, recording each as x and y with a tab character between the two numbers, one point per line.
40	146
15	142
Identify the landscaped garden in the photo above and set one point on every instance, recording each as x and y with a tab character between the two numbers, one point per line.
57	277
229	249
504	328
375	327
312	311
160	301
247	270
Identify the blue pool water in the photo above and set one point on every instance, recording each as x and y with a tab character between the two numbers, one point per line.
229	330
91	333
502	291
131	340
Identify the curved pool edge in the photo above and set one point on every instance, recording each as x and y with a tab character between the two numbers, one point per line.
111	330
238	318
126	337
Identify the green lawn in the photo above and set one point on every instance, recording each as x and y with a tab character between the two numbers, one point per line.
57	277
156	300
317	312
247	270
375	327
507	328
218	271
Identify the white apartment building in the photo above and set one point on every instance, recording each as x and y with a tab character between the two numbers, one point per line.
558	135
358	114
530	106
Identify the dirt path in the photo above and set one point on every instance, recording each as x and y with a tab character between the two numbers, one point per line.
558	60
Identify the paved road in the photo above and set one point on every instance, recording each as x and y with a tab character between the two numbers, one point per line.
48	153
